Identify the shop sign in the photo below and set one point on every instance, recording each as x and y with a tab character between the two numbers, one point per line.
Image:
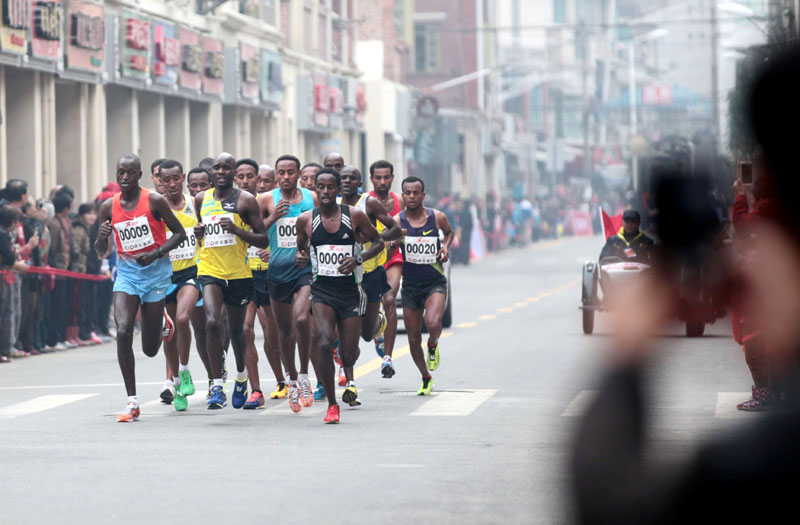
250	60
271	77
361	102
213	66
47	29
166	54
16	19
191	70
135	45
322	100
85	36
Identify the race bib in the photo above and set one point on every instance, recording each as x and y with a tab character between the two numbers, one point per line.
215	236
421	250
287	232
185	250
134	234
629	253
330	257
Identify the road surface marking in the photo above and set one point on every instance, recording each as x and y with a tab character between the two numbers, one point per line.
466	325
487	317
580	404
282	409
454	403
726	405
520	304
545	294
505	310
402	465
40	404
532	299
88	385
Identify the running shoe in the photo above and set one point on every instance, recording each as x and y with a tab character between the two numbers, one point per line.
131	413
168	332
427	386
433	358
350	395
69	345
319	392
333	415
342	377
95	340
294	398
306	395
218	398
380	345
255	401
166	395
387	368
187	387
180	403
336	358
239	393
280	391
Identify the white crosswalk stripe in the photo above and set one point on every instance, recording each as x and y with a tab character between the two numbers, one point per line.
40	404
454	403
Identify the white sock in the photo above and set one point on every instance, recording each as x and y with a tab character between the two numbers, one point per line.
133	399
181	368
241	376
176	381
292	382
301	377
168	383
218	382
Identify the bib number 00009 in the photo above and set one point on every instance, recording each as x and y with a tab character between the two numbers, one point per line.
134	234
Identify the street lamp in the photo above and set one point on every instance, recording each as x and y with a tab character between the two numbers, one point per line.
649	36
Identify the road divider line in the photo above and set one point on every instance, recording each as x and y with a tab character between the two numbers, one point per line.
466	325
40	404
454	403
505	310
486	317
520	304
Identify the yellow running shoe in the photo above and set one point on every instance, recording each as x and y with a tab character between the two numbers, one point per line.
427	386
433	358
280	391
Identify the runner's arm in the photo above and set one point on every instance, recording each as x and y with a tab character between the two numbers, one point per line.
160	206
366	232
392	232
199	229
303	236
101	245
444	225
252	216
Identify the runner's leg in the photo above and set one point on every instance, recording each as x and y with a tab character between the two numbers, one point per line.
369	323
325	323
393	275
348	344
125	308
286	336
187	298
199	326
249	334
413	321
152	325
271	346
305	334
171	347
434	310
236	316
212	306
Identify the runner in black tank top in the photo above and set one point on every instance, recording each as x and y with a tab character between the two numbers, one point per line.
330	237
424	289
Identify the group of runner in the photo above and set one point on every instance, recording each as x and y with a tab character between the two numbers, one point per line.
300	248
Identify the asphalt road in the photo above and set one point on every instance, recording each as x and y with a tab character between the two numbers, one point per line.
488	447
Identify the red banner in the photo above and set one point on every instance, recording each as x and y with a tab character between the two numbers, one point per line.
611	225
46	270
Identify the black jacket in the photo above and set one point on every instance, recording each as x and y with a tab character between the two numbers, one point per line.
639	249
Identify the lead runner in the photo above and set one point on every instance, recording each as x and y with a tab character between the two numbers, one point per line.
138	218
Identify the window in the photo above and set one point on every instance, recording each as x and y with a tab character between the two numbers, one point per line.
399	20
269	11
559	11
427	47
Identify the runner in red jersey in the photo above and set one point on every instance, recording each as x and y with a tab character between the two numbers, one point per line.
137	219
381	173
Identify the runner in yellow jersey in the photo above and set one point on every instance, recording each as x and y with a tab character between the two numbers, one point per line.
374	282
185	289
230	220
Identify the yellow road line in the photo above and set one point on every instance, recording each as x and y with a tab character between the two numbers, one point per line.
375	364
467	325
520	304
505	310
487	317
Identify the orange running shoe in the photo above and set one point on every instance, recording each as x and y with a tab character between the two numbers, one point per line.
294	398
342	377
306	395
168	332
336	358
333	415
131	413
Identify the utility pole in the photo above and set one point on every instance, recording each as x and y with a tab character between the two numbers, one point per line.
584	43
714	82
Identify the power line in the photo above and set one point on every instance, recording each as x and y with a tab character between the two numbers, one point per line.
602	25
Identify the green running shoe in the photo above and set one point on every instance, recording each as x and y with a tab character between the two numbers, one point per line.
187	387
433	358
180	402
427	386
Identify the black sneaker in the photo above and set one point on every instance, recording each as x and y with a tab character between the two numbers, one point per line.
167	396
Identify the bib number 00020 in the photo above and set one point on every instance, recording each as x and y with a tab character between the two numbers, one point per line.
421	250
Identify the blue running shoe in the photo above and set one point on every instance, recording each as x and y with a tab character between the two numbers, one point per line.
218	398
319	392
239	393
380	345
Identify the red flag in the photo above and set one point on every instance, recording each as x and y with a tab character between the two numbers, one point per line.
611	225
